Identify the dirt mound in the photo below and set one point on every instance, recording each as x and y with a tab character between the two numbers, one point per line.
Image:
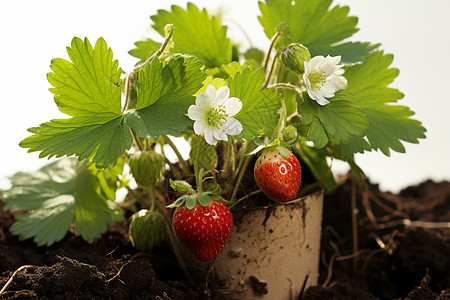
396	259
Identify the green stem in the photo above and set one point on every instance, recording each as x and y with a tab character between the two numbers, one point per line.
272	67
272	45
246	160
129	80
151	192
159	52
241	169
286	86
197	170
354	224
184	166
137	141
174	169
281	122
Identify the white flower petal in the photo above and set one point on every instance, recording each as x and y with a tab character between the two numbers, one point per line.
328	89
322	101
200	127
315	62
340	82
220	134
195	113
203	101
222	95
232	106
211	92
232	126
210	139
335	60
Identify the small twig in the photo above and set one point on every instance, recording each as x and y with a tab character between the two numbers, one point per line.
20	269
386	207
330	271
369	212
350	256
114	250
415	224
118	274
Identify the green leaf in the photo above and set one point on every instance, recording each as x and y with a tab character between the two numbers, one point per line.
351	52
259	113
316	25
196	33
101	140
88	85
208	157
389	123
317	133
59	194
338	120
341	120
144	49
355	144
92	210
88	89
164	96
98	130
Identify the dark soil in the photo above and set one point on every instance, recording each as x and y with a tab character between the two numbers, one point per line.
396	259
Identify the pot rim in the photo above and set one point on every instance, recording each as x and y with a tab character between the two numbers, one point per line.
273	204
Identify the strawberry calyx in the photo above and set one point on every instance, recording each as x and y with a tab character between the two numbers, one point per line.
274	145
190	197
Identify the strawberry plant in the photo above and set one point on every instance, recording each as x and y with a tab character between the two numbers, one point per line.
310	98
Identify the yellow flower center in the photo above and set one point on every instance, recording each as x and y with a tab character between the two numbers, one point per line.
216	117
317	79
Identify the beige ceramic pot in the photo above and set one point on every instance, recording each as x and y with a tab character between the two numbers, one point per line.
273	252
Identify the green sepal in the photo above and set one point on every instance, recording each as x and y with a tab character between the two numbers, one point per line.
262	147
204	199
274	145
181	186
190	202
180	201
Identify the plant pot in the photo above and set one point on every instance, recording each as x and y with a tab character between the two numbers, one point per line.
273	252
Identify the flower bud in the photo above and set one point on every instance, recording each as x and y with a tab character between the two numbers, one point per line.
289	134
146	229
294	56
147	167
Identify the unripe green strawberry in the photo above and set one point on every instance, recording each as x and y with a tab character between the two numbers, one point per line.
147	167
146	229
203	229
278	174
294	56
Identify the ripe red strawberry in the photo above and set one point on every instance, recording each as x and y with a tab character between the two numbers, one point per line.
278	174
203	229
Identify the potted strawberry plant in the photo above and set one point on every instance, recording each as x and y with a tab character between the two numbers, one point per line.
254	121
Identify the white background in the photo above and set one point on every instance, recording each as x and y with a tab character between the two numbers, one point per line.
415	31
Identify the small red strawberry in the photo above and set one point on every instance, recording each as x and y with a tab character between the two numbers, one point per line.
203	229
278	173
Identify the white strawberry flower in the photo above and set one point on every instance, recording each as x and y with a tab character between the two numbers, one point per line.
323	77
213	114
